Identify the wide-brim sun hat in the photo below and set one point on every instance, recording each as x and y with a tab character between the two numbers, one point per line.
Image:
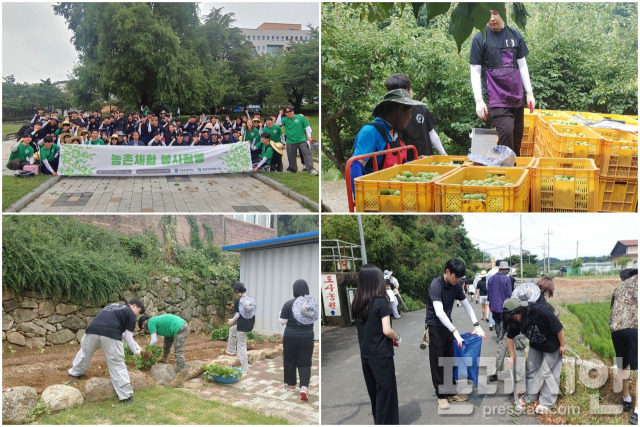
277	146
483	273
504	265
73	138
398	96
247	307
306	309
527	291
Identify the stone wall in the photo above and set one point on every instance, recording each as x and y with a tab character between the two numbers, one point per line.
227	230
32	320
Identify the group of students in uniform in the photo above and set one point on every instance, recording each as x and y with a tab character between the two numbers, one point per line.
116	322
41	140
523	315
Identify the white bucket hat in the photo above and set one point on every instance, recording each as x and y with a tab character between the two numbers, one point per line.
247	307
527	291
306	309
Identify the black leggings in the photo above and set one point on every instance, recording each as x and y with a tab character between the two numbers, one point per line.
297	353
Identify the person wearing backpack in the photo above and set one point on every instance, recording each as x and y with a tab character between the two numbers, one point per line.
499	73
244	308
392	114
419	132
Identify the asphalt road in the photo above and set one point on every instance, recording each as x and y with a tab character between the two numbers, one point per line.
344	395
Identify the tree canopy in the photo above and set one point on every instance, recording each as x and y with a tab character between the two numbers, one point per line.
570	68
415	248
163	56
25	98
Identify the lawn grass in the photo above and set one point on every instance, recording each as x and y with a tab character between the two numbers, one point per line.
314	122
157	406
11	127
301	183
14	188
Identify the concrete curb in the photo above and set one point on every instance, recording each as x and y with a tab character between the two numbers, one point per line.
286	191
28	198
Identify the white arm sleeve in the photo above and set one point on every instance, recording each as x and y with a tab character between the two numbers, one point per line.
236	317
14	147
476	84
469	310
154	338
439	309
163	143
279	120
45	162
436	143
128	337
309	131
524	73
262	162
283	321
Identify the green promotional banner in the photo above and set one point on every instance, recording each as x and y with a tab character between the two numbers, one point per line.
123	160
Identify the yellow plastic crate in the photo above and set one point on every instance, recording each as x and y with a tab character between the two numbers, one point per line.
414	196
438	158
627	119
449	191
521	162
575	147
529	125
539	145
526	148
619	153
618	194
550	113
592	117
548	194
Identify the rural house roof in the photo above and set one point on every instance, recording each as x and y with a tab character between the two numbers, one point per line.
621	245
274	26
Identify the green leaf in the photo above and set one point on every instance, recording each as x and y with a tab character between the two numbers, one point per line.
461	24
434	9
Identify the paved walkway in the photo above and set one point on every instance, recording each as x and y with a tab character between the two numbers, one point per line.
262	390
172	194
344	395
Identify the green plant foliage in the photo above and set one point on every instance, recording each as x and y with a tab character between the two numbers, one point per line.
196	240
415	248
595	332
211	371
221	333
20	99
144	360
40	409
412	304
59	256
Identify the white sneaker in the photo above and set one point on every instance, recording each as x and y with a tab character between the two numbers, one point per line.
313	172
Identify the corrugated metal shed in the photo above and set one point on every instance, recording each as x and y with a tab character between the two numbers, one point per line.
268	269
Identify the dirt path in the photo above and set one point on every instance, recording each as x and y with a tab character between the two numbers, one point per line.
40	368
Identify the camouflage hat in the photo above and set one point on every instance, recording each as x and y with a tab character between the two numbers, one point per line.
398	96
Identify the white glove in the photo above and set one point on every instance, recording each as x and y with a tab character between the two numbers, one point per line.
478	331
458	338
531	102
510	361
481	109
138	349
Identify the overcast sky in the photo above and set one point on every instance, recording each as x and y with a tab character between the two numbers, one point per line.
32	30
596	233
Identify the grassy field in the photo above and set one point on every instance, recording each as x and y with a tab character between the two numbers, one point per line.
157	406
595	331
575	407
11	127
306	185
14	188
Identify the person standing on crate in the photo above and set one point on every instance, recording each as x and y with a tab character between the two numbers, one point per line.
419	132
499	73
392	114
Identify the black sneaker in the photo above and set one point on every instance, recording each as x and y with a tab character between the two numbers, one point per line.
627	406
127	401
493	377
78	377
633	419
491	327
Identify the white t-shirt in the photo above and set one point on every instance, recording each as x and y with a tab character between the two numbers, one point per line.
392	296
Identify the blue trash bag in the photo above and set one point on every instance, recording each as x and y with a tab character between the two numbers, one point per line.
466	358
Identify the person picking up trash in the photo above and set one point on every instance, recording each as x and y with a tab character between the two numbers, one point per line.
443	291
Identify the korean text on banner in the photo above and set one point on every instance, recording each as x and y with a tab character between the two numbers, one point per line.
330	296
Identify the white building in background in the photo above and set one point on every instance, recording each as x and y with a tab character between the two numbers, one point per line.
271	37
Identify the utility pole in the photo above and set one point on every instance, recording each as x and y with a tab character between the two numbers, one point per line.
521	272
544	262
548	233
363	249
577	250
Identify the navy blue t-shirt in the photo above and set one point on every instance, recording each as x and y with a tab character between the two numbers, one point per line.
244	325
441	291
112	321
